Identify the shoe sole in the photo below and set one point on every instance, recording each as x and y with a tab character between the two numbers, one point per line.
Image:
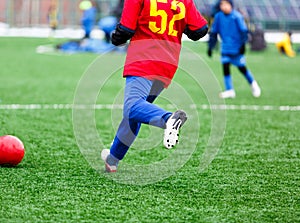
180	118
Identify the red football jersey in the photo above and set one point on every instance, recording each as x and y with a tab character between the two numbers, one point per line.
154	49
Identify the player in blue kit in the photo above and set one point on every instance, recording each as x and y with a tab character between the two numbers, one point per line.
88	19
231	27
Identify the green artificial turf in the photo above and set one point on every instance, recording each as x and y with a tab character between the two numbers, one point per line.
252	169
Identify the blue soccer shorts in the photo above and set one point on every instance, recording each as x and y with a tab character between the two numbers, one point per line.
237	60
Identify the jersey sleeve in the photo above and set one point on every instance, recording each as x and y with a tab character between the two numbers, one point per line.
242	24
131	12
214	30
243	28
215	24
194	19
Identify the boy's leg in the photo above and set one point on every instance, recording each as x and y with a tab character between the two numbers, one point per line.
139	94
125	136
229	91
256	91
227	77
240	62
138	107
247	74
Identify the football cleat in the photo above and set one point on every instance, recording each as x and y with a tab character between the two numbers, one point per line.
227	94
171	133
256	92
111	168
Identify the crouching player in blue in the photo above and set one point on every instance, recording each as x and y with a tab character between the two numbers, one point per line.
155	29
231	27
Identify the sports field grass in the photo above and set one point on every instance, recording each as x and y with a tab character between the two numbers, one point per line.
254	171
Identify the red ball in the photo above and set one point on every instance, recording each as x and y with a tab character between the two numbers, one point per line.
11	150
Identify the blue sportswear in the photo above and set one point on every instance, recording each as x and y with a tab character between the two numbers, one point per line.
232	30
139	96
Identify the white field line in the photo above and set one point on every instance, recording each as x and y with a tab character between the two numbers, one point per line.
120	106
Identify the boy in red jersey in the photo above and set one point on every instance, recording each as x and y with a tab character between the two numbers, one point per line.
155	28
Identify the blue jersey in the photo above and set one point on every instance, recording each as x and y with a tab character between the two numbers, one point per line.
88	18
232	30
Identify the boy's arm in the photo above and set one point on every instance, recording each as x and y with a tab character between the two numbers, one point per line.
121	35
196	34
126	28
196	27
213	39
213	36
244	41
243	29
244	33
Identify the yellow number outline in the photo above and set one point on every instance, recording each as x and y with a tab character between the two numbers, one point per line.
164	17
176	17
163	14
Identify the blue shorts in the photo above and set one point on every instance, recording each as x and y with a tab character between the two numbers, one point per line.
238	60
